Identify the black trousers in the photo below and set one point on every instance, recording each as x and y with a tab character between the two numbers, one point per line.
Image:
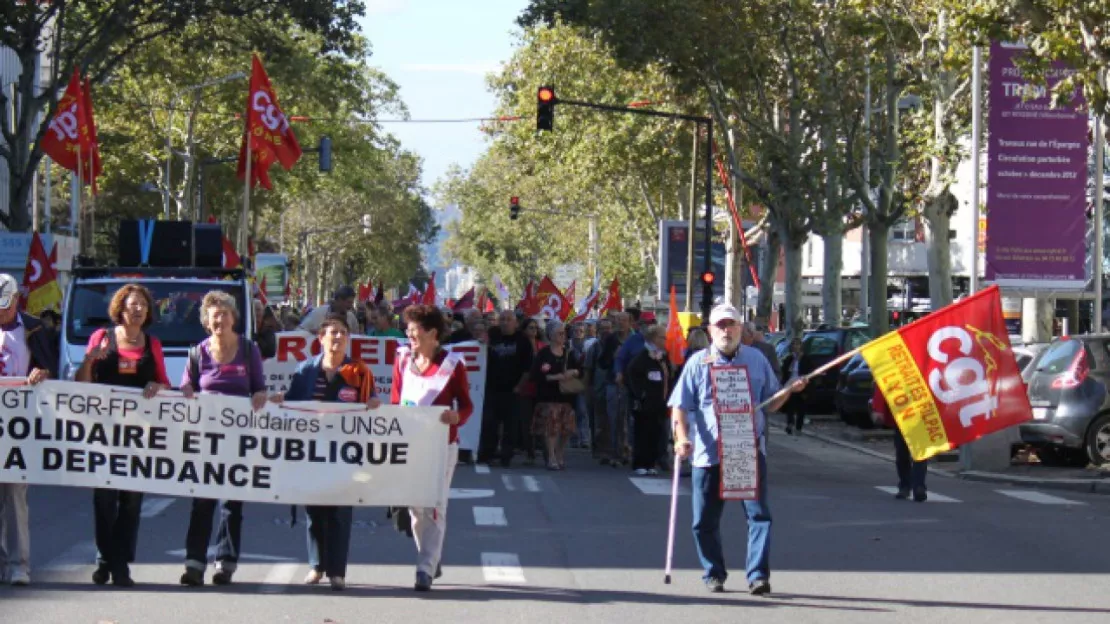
227	536
500	424
116	518
795	410
647	432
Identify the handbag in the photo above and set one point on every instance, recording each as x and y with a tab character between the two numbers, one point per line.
572	385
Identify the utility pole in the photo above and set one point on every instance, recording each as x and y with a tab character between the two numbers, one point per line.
865	242
692	218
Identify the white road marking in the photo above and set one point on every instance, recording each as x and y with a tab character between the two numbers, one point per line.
933	496
490	516
279	578
180	552
154	506
79	556
502	568
463	493
658	487
481	468
1038	497
531	483
508	481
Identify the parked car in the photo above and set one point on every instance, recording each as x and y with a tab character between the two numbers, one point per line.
1067	385
854	388
818	348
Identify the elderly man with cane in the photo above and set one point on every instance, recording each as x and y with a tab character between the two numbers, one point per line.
696	435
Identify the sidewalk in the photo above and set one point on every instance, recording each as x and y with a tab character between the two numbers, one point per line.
877	443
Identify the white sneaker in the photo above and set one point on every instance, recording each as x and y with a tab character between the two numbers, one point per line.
642	472
21	578
313	578
653	472
338	583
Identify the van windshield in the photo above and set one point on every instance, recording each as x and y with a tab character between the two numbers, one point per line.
176	310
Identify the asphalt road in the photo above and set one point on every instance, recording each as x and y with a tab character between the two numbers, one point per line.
587	545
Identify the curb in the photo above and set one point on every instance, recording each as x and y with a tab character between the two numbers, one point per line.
1087	486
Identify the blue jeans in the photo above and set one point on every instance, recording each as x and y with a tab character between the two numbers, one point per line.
708	507
582	420
329	539
911	474
227	535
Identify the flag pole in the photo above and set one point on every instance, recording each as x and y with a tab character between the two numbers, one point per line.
244	218
80	192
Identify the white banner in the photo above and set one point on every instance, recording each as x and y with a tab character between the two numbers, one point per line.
378	353
737	443
211	446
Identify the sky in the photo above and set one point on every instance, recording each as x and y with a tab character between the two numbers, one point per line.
439	52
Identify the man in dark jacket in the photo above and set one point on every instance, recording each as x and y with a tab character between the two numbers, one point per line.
752	336
911	474
510	359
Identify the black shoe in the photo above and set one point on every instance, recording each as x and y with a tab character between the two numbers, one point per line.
192	577
423	582
714	585
760	587
101	574
903	493
505	463
222	577
122	579
439	570
920	495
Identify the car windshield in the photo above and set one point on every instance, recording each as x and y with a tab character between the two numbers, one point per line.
821	344
1058	357
176	310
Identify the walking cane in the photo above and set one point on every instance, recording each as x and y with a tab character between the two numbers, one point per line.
670	527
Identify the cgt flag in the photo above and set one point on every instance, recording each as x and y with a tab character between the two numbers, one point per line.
68	139
40	282
950	378
271	137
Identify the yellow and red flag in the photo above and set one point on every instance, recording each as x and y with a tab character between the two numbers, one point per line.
40	282
68	134
950	378
676	340
271	136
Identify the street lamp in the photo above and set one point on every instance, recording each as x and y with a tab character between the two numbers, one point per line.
169	128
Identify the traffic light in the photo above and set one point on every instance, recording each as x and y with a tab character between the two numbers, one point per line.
545	108
707	279
514	208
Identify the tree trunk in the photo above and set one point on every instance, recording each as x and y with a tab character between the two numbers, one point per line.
938	215
734	279
831	295
768	269
793	322
879	234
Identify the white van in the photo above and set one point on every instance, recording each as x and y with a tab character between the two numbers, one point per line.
177	296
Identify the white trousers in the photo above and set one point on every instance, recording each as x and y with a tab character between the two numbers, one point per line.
429	524
15	530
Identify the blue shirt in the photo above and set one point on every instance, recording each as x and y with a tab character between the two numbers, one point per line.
632	347
694	394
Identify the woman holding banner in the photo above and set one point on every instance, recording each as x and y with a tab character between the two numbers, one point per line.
334	378
224	363
425	374
122	355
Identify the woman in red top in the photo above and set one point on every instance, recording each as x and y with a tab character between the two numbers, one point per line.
426	374
123	355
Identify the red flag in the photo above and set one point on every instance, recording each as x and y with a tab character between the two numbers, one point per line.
551	301
231	257
466	302
364	292
587	304
262	292
613	301
95	168
482	299
569	294
488	307
429	297
676	339
271	137
68	134
54	257
527	303
951	378
41	290
288	290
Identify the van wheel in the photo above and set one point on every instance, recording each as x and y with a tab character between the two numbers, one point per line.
1098	441
1060	457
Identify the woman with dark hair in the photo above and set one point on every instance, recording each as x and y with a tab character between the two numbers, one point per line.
331	377
526	391
122	355
224	363
426	374
554	417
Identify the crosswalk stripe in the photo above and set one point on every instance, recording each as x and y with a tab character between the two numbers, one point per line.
502	568
531	483
508	481
80	555
154	506
279	578
933	496
1040	498
490	516
658	487
481	468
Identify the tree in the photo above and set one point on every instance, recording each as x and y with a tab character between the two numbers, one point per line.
98	36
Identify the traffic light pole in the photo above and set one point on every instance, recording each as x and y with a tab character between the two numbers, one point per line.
707	289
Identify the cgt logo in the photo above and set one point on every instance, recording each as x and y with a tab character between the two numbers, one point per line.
271	115
963	371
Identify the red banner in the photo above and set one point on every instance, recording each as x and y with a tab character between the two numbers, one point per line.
271	137
613	300
951	378
68	133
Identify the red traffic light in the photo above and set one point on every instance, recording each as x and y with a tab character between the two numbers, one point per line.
545	94
514	201
708	277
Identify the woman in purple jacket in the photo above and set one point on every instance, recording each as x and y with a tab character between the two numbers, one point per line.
224	363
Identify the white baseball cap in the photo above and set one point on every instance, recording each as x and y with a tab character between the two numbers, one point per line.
9	291
724	311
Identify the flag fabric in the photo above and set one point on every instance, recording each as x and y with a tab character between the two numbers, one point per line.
429	297
68	134
262	292
569	294
465	302
94	168
288	290
40	288
412	298
502	290
231	257
488	307
269	137
551	301
54	257
613	299
950	378
365	291
587	303
676	339
482	300
528	304
379	297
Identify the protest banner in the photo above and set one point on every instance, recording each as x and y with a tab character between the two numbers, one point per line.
378	353
215	446
738	447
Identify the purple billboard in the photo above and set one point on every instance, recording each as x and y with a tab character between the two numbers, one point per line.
1036	180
